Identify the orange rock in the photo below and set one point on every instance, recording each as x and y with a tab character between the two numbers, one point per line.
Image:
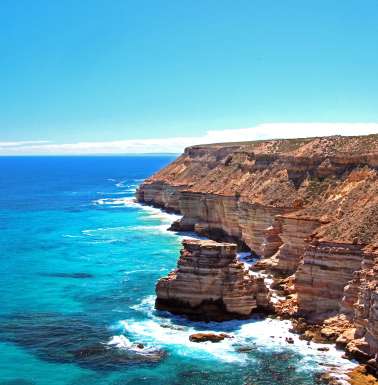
203	337
210	284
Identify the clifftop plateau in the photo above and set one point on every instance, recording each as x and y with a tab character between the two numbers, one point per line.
333	179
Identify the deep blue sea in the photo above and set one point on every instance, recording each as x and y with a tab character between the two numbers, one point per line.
79	262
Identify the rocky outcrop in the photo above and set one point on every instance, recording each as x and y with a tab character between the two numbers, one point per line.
210	284
309	207
212	337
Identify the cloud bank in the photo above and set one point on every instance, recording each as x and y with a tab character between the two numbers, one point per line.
177	144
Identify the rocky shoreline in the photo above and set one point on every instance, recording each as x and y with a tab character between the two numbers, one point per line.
307	208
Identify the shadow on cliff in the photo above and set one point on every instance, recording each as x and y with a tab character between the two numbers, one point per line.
223	326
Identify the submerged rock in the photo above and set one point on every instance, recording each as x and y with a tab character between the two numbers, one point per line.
289	340
246	349
68	275
75	339
173	327
323	349
112	356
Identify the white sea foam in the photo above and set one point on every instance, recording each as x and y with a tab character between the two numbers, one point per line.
166	334
123	192
120	342
146	306
107	234
119	233
104	230
147	211
153	229
117	202
121	183
155	213
268	335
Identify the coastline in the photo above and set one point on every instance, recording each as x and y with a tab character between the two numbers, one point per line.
334	367
299	205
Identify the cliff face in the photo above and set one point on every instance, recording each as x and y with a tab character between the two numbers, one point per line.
239	189
320	280
294	233
308	206
210	284
363	297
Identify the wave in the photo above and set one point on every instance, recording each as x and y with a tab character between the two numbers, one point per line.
123	192
94	232
125	183
120	342
146	211
104	231
153	229
263	335
155	213
123	233
117	202
121	183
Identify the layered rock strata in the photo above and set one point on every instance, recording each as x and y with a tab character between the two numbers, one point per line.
210	284
326	269
365	316
294	234
309	206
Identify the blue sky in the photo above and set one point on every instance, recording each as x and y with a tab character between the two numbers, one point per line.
105	71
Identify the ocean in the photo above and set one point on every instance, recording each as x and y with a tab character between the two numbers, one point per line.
79	263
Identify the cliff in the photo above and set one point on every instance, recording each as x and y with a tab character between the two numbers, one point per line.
308	207
210	284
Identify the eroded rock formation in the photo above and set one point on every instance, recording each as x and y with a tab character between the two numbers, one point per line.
326	269
210	284
365	306
308	206
294	234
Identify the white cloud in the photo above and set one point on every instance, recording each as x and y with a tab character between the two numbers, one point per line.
22	143
177	144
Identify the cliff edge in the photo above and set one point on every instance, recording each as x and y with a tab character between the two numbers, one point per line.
308	207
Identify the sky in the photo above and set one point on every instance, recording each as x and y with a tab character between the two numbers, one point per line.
114	76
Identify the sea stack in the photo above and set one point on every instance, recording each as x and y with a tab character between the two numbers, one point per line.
211	284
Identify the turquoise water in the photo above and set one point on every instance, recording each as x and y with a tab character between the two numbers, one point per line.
79	262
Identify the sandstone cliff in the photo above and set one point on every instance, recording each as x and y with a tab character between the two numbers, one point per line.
309	207
210	284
